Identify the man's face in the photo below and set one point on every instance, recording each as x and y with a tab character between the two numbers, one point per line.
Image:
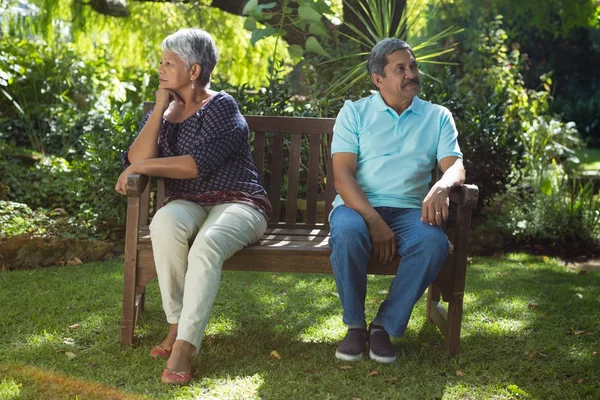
402	78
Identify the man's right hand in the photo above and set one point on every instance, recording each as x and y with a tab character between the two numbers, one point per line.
383	240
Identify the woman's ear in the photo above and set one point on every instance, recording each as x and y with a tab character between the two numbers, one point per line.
195	72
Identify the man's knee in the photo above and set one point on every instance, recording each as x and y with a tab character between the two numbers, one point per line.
347	225
435	242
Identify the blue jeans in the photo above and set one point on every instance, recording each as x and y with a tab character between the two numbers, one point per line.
422	247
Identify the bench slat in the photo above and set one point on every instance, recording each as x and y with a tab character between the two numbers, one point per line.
259	153
291	206
276	175
302	125
312	179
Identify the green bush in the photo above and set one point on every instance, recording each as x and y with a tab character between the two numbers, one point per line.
556	215
50	94
19	219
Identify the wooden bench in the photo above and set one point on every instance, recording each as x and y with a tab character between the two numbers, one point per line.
290	152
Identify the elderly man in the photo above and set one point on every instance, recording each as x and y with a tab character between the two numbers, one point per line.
384	149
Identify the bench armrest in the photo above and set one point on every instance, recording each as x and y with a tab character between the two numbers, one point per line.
136	183
465	195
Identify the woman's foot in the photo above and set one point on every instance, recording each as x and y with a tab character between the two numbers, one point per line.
179	365
163	349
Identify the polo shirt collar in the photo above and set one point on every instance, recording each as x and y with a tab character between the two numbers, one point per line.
379	104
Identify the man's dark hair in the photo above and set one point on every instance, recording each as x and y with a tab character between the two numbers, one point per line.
378	57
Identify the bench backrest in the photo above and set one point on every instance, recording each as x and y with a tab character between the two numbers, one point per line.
293	158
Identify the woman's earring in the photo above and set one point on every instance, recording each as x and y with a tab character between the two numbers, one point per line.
192	85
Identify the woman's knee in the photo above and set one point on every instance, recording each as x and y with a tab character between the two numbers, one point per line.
173	220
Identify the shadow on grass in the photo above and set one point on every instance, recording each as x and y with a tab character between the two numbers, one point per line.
525	332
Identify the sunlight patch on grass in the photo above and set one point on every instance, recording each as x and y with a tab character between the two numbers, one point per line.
39	340
9	389
221	325
239	387
328	330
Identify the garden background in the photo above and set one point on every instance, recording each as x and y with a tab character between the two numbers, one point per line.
521	80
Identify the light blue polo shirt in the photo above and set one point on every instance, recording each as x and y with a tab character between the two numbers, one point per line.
396	153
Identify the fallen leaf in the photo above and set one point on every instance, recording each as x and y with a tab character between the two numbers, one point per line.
60	261
336	294
469	260
594	353
532	356
74	261
69	341
575	332
390	379
302	356
501	273
372	373
577	380
459	373
533	305
73	327
383	292
579	295
345	367
69	355
543	354
275	354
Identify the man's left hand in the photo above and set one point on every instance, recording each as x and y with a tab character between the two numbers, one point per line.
435	205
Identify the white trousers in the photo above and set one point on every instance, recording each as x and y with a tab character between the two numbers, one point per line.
190	244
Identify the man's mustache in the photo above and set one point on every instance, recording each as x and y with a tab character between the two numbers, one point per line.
416	81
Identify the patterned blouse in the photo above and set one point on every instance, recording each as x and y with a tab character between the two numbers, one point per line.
217	137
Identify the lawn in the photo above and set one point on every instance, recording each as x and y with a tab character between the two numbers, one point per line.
531	329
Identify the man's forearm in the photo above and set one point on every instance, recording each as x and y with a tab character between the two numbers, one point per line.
178	167
454	175
354	197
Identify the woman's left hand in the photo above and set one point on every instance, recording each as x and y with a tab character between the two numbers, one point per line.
121	185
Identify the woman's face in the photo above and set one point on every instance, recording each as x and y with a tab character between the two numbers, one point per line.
172	73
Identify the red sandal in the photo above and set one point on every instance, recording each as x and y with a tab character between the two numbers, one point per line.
171	377
160	352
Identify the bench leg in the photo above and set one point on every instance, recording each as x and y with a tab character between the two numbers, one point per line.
140	300
433	298
455	308
128	313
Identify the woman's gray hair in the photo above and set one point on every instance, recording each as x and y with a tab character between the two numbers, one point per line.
378	57
194	46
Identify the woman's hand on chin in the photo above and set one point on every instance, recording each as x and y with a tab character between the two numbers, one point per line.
164	98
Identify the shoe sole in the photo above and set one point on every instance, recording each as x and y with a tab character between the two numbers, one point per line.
381	359
348	357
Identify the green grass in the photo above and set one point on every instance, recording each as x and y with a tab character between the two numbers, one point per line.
590	159
531	329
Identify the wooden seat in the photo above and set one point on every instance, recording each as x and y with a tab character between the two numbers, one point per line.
292	156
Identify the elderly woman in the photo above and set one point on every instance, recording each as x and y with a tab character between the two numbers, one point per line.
215	203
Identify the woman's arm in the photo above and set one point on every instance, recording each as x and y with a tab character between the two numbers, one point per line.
178	167
145	145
